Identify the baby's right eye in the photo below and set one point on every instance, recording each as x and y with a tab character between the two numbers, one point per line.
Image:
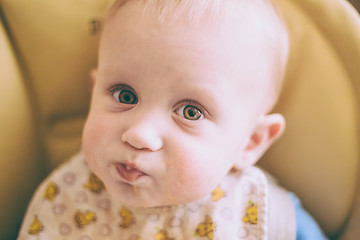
124	95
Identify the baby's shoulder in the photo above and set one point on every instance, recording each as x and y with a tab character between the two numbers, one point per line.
69	177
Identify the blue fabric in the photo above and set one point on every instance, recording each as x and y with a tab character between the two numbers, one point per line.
306	227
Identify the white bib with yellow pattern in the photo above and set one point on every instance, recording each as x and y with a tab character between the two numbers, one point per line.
72	203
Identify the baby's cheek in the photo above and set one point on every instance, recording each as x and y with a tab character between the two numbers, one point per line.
191	191
93	134
191	182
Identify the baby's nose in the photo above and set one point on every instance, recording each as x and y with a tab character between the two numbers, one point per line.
144	135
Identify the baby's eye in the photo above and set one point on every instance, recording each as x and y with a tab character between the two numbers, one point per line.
125	96
190	112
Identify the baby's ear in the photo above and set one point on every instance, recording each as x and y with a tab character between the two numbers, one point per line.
268	129
92	75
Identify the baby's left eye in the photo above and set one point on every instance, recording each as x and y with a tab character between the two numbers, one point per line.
124	95
189	112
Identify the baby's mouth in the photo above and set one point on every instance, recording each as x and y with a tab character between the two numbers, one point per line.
129	172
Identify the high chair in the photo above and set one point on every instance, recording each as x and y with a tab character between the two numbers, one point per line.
47	49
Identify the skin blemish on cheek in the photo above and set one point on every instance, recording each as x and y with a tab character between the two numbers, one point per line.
169	163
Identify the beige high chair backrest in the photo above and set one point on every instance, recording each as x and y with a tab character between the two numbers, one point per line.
47	49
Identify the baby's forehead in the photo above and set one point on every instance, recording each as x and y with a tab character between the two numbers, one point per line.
200	11
255	20
256	16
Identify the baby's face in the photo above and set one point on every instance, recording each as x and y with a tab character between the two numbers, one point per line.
173	107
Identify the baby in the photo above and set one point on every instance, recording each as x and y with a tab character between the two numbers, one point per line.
179	116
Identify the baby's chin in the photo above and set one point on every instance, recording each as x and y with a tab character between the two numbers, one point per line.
155	203
158	202
147	192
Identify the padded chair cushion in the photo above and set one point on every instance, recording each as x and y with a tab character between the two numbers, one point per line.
57	43
20	162
318	156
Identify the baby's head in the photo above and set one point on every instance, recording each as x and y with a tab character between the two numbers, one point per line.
182	95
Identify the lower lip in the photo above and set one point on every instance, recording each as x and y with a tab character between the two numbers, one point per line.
128	176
